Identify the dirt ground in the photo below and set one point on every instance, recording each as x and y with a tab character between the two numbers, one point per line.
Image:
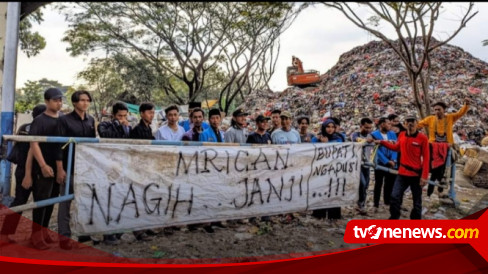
302	236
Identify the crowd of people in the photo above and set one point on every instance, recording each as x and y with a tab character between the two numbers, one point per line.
402	145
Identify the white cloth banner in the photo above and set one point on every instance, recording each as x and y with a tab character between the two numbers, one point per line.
121	187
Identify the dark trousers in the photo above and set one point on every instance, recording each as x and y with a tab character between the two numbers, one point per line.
401	184
63	211
21	196
330	213
436	174
363	186
42	189
385	180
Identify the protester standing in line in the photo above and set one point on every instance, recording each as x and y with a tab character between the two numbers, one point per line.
286	134
275	121
260	136
188	124
237	133
361	136
47	169
328	134
143	129
303	124
118	128
414	167
213	133
440	128
20	152
193	134
77	123
385	158
172	131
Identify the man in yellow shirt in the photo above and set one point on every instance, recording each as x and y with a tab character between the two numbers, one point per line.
440	127
440	124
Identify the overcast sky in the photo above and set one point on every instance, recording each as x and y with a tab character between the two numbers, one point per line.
318	37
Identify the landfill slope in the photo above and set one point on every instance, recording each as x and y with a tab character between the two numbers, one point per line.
371	81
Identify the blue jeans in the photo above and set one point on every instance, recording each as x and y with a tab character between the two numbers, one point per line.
363	186
401	184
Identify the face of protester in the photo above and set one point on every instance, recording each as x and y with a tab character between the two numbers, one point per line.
303	126
385	126
54	105
83	104
395	121
286	123
275	120
147	116
366	129
240	120
439	112
121	115
197	119
411	125
330	128
215	121
263	125
173	116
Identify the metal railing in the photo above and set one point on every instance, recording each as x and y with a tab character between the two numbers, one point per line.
70	141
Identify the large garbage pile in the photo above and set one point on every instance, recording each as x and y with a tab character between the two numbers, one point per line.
371	81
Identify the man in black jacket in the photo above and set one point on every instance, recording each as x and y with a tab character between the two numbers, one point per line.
119	127
21	193
77	123
143	129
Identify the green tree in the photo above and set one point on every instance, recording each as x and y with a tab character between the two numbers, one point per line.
33	93
182	41
31	43
413	24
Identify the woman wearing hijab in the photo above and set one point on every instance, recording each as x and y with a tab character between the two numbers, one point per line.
328	134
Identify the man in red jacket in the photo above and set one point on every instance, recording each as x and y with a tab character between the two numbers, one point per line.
414	167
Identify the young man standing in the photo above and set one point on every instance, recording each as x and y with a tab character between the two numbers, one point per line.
414	167
260	136
440	127
21	193
303	124
188	123
119	126
237	133
275	121
172	131
77	123
47	170
196	117
143	129
286	134
361	136
213	133
386	158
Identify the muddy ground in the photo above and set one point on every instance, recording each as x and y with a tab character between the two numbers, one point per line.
304	235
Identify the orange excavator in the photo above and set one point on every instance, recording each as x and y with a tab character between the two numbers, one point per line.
298	77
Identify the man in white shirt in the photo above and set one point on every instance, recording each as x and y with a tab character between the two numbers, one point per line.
172	131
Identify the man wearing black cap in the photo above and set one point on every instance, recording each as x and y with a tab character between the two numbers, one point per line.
213	133
188	124
23	183
47	170
77	123
237	133
260	136
414	167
